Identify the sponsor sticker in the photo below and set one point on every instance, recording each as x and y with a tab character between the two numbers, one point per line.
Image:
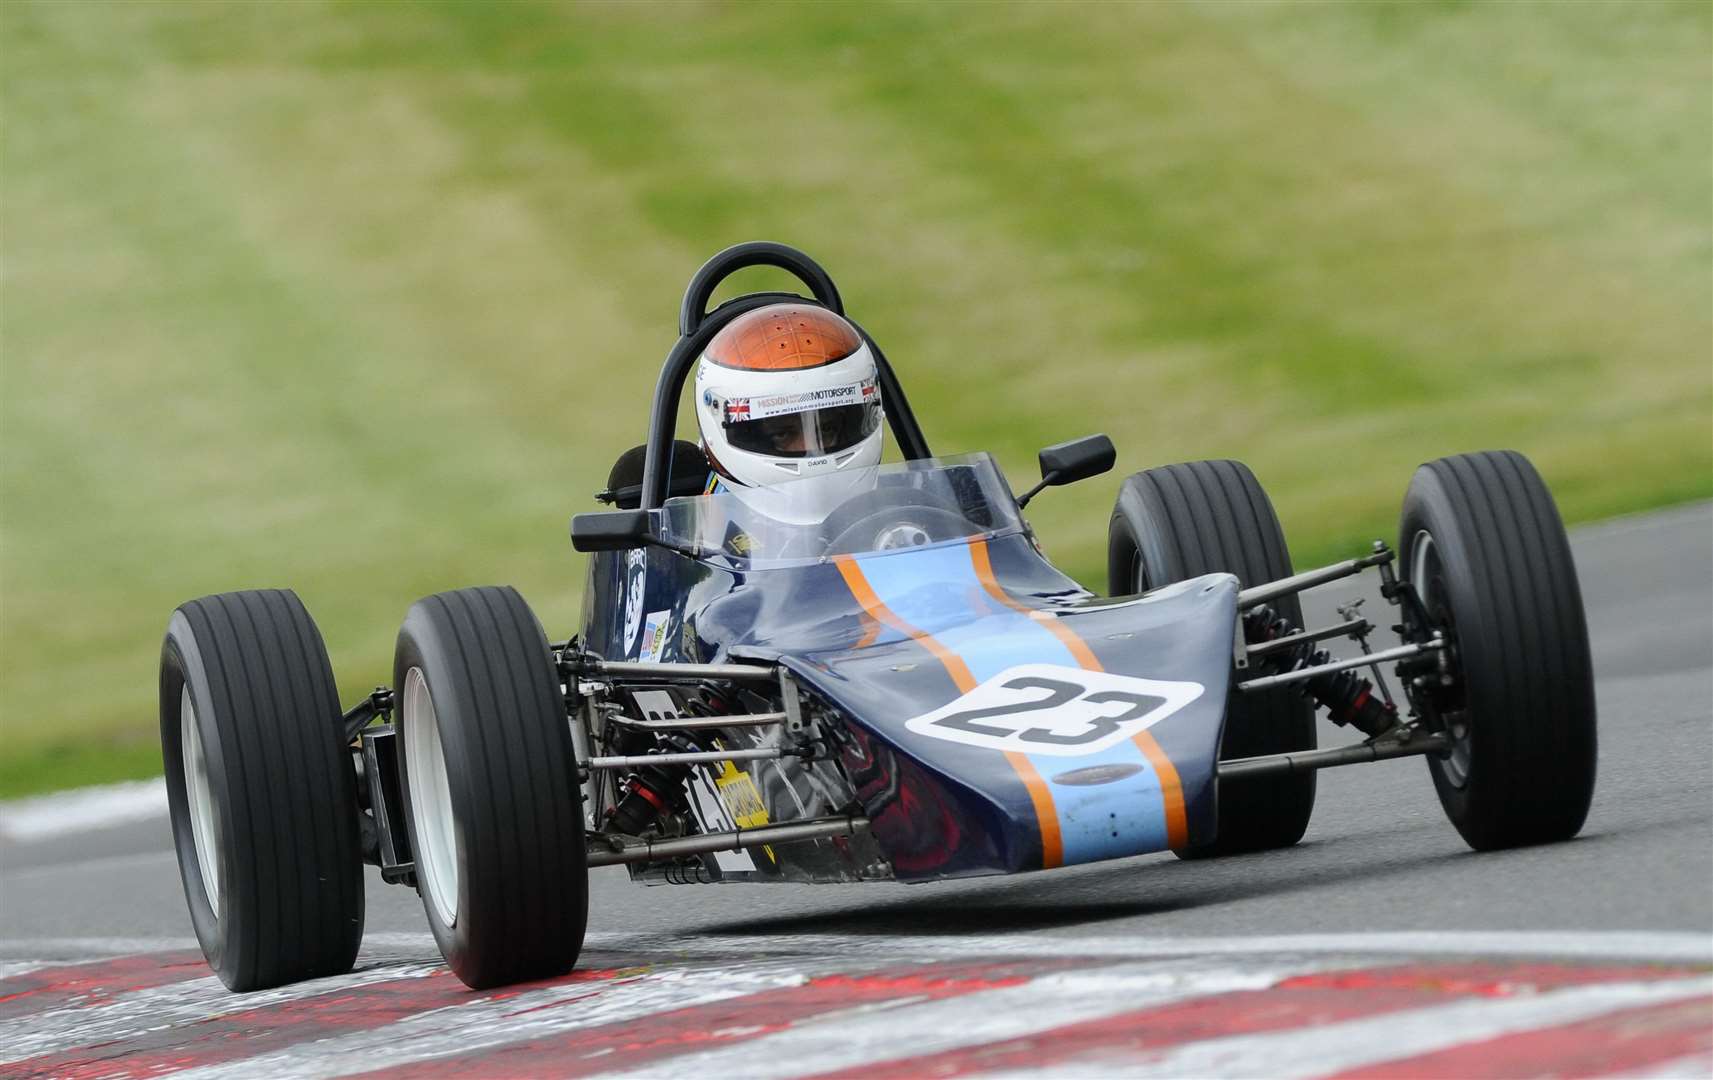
654	635
1054	710
739	409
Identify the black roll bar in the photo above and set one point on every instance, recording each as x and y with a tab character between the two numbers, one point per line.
697	326
742	257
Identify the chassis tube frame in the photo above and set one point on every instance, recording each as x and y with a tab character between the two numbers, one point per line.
1410	743
1402	652
698	757
732	840
1256	595
627	670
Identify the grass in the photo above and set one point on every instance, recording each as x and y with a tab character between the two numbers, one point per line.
364	298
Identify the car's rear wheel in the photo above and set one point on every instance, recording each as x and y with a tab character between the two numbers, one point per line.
490	785
1181	521
1481	540
261	792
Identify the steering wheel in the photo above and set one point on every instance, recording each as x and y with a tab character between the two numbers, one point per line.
890	518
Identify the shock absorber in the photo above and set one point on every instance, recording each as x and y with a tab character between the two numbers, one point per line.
656	792
651	793
1348	697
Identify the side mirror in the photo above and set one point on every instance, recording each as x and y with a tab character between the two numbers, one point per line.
609	530
621	530
1068	462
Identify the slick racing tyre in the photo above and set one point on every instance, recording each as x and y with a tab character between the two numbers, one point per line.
1481	541
261	791
490	785
1181	521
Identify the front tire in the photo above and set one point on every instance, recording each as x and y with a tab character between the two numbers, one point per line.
490	786
1181	521
260	790
1481	540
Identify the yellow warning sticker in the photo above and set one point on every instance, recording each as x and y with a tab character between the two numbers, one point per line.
742	800
741	796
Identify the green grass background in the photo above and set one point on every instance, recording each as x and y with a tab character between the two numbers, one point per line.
363	299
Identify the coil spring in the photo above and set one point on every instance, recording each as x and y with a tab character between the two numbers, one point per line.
686	874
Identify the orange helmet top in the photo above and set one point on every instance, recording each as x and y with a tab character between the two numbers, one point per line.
783	337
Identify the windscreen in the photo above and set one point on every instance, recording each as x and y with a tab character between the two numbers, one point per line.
879	508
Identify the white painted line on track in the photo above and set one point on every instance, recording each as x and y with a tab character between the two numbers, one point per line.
1353	1044
44	817
872	1035
11	969
1659	946
1687	947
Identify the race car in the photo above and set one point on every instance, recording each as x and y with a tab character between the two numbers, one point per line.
903	689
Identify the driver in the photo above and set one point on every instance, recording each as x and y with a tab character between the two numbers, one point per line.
788	392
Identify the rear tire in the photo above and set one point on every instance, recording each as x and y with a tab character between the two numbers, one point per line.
1482	541
490	786
260	790
1204	517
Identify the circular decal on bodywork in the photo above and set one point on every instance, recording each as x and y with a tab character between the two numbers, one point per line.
1098	774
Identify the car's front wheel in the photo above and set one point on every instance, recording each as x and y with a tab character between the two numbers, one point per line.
1482	543
260	789
490	783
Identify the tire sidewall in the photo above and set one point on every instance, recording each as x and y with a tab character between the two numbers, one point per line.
1137	551
517	827
1428	508
420	646
182	667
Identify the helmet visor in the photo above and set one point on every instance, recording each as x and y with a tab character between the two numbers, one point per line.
816	433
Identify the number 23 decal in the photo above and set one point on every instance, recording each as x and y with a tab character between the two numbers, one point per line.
1059	711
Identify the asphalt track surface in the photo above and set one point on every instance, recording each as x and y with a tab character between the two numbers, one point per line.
1025	970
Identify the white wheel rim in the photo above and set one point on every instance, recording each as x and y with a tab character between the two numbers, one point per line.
204	825
430	801
1420	549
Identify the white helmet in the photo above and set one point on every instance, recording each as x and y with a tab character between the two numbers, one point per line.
788	392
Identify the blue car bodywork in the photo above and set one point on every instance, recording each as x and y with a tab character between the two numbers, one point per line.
885	641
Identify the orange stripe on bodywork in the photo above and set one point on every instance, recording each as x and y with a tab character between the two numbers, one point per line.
864	593
1171	790
1068	637
1171	787
1052	845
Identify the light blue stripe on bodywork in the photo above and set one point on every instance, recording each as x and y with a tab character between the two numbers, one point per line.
936	590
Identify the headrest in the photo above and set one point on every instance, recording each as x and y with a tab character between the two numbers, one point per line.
624	483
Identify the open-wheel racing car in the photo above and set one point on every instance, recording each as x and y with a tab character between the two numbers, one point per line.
904	689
